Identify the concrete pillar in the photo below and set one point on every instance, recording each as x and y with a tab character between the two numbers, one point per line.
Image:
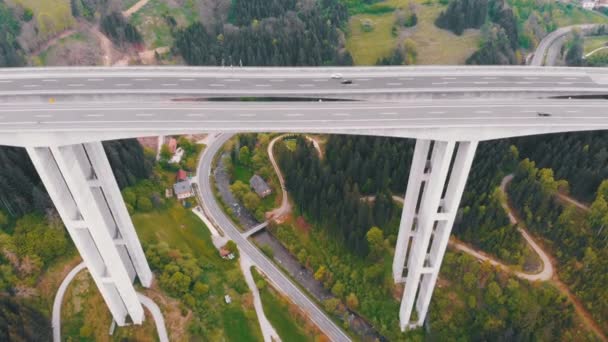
429	211
81	184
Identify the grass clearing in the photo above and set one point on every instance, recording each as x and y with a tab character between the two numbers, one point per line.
156	31
278	310
242	173
51	16
595	42
431	41
577	15
176	226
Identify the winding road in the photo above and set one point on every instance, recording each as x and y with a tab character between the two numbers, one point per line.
544	275
147	302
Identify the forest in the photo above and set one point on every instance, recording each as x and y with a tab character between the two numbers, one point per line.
355	167
328	192
500	33
579	158
308	36
577	238
11	54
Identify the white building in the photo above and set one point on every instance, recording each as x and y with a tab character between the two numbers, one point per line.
177	156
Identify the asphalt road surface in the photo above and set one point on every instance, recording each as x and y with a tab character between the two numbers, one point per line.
214	81
325	324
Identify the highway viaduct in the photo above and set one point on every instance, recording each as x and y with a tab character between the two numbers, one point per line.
61	116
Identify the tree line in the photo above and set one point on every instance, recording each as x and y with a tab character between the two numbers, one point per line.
11	53
500	31
329	191
307	37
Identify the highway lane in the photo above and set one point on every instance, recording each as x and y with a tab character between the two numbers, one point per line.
288	116
325	324
209	81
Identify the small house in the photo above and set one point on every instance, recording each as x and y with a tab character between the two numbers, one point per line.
183	189
227	299
260	186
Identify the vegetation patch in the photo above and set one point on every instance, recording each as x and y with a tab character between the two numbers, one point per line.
429	40
158	20
51	16
286	318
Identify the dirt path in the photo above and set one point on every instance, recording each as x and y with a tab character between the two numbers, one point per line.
136	7
285	207
581	311
106	46
572	201
53	41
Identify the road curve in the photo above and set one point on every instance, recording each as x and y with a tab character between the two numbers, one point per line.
285	207
58	301
157	315
548	270
548	49
56	315
280	281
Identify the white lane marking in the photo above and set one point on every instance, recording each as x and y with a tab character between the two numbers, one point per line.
361	79
480	82
294	114
187	79
195	114
437	112
123	84
94	115
528	111
439	83
277	80
75	85
571	78
524	82
489	78
320	80
573	111
5	81
169	84
306	85
530	78
388	113
406	79
31	86
49	80
564	82
94	79
262	85
394	84
341	114
247	115
43	115
144	114
217	85
141	79
483	111
231	80
448	78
